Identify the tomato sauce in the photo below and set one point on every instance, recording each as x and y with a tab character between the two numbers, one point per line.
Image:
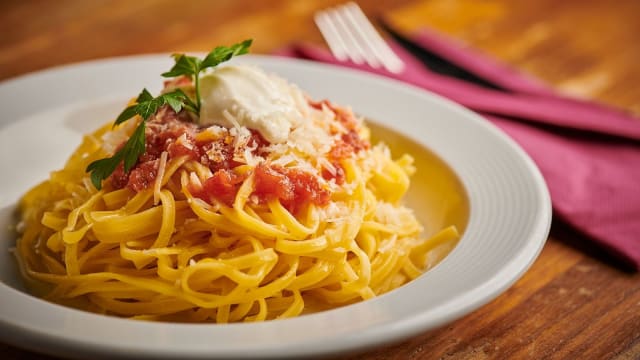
178	136
344	116
223	186
293	187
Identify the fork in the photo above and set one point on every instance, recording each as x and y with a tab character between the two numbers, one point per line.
351	36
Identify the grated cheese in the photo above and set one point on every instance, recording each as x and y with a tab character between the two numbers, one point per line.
256	100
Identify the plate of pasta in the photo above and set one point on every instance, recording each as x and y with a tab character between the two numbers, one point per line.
249	206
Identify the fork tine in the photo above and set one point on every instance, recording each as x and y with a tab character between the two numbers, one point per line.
372	37
350	35
343	35
363	45
331	35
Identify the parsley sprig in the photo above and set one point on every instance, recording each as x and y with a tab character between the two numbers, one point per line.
191	66
146	106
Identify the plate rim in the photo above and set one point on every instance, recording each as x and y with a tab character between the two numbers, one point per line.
377	336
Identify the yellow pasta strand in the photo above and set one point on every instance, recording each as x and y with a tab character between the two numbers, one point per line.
164	254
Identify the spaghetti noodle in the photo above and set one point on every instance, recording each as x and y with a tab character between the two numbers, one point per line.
217	224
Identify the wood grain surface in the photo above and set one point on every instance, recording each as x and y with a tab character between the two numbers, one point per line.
574	302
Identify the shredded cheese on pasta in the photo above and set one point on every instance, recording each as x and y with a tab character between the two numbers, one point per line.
172	251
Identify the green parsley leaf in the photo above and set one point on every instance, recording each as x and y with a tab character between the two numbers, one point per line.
146	106
132	149
103	168
178	100
222	53
126	114
185	65
191	66
145	95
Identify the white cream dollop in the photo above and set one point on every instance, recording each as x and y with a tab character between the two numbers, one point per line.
247	96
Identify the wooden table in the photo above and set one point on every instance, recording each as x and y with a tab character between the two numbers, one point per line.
573	303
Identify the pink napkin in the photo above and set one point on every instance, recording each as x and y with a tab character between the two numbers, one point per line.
589	154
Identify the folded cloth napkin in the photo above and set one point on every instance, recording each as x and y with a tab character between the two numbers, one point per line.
588	153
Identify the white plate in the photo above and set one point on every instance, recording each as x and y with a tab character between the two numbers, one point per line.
44	115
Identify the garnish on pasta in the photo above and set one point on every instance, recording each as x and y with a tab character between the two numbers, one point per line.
146	105
231	196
